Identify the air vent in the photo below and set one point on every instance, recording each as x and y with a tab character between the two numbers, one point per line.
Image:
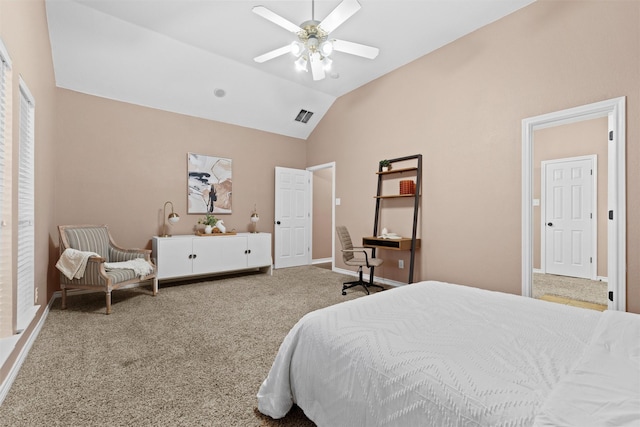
304	116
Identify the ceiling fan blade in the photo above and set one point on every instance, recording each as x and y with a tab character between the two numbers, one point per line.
317	70
356	49
341	13
273	54
276	19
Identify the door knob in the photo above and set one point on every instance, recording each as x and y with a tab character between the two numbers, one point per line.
278	222
550	224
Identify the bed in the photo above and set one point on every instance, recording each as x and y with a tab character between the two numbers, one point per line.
440	354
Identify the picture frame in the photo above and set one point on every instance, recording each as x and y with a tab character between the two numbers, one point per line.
209	184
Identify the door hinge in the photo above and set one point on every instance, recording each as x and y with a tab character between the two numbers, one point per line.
590	260
610	295
591	172
610	135
591	216
611	215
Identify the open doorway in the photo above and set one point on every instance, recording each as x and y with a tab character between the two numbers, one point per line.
322	215
570	210
614	232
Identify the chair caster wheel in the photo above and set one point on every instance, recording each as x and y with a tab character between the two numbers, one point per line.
344	293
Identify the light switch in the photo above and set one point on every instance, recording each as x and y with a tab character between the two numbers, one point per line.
536	202
337	201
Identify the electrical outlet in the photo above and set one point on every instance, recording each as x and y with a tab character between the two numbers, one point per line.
400	263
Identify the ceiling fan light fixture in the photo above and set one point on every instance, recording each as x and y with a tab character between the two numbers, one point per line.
297	48
313	46
312	43
301	64
326	48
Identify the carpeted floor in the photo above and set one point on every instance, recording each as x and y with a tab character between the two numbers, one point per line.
195	355
574	288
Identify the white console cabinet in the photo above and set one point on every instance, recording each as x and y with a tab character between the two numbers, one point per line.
191	255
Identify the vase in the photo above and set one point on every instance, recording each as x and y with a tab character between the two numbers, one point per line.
221	227
208	229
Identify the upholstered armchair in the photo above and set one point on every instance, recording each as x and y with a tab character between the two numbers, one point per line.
99	271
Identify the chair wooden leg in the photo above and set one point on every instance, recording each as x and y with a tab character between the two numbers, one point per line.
64	298
108	298
155	286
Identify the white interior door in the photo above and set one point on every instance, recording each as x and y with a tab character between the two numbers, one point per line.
292	217
568	221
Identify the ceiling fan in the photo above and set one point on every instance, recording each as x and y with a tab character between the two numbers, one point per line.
314	46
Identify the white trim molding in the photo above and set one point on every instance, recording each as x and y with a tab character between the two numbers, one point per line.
13	372
614	109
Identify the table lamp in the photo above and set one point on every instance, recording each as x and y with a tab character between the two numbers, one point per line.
172	218
254	220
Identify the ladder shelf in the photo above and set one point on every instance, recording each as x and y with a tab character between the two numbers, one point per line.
405	243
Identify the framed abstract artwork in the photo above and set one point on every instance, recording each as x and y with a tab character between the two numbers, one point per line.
209	184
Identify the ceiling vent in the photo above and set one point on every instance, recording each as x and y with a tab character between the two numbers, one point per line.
304	116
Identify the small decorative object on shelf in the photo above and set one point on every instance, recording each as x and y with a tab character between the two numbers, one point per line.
209	221
254	220
385	165
407	186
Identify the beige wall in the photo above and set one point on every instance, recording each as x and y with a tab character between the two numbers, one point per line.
119	163
572	140
462	107
23	29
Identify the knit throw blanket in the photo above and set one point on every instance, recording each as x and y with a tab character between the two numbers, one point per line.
139	265
72	263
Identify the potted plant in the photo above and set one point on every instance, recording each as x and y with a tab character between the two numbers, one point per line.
385	165
209	221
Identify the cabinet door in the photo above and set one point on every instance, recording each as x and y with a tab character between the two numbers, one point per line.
173	257
219	253
260	250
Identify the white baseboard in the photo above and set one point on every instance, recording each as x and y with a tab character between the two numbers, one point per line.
13	372
320	260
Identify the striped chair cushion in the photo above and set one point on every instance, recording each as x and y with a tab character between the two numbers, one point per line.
90	239
121	275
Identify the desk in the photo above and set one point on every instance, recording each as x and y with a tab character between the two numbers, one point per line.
403	244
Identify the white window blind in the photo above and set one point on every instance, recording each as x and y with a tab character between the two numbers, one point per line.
26	211
6	284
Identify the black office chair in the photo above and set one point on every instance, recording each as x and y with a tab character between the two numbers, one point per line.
348	251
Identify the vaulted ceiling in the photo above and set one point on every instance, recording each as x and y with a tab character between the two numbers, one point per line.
176	55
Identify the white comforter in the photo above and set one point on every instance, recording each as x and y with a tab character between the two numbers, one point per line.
427	354
603	389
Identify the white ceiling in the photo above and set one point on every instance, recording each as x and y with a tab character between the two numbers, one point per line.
172	54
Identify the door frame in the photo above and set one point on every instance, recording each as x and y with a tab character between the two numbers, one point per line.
594	211
614	110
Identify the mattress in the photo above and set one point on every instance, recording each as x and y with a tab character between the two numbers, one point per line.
431	353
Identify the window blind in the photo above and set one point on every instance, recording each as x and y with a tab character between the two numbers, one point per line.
26	211
6	284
